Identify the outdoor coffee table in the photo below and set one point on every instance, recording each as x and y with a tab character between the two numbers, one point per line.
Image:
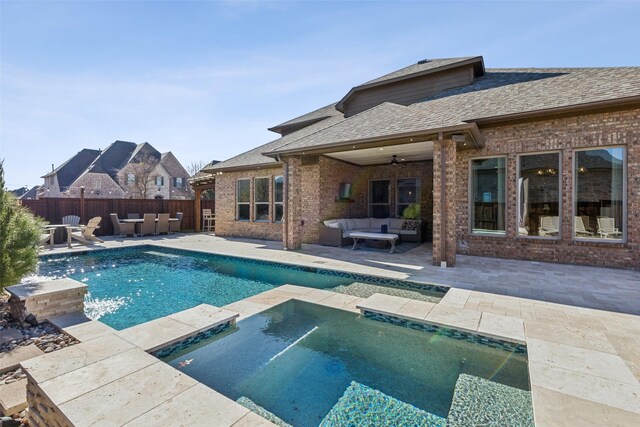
361	235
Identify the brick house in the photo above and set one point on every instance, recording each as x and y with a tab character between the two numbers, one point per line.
528	163
123	170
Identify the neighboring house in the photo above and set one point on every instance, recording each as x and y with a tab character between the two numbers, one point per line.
527	163
122	170
31	194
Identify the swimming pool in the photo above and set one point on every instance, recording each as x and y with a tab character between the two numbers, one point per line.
130	286
311	365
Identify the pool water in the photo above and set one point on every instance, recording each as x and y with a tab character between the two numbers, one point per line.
297	360
130	286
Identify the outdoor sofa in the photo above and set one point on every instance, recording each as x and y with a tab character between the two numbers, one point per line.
335	232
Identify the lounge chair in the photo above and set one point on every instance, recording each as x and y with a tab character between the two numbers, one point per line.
207	220
72	220
607	228
579	229
549	226
122	228
47	236
84	233
163	224
148	226
174	226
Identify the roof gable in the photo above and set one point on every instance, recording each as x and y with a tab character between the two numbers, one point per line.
406	83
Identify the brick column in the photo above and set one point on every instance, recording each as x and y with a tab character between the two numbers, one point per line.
444	202
293	210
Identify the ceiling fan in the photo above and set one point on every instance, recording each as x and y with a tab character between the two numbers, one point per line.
394	160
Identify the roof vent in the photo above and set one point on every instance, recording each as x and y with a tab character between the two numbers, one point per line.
423	61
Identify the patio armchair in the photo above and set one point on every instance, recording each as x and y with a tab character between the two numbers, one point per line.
122	228
148	225
174	226
163	224
607	228
579	229
72	220
47	236
84	234
549	226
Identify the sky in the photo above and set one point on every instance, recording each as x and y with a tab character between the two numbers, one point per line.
205	79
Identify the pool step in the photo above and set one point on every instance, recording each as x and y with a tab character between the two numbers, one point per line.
477	401
259	410
363	406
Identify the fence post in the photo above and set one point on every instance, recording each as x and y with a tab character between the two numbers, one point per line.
82	204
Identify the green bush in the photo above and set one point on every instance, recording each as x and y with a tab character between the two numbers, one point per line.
19	237
412	211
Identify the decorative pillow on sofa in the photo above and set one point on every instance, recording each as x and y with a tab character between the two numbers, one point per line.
351	224
396	223
411	225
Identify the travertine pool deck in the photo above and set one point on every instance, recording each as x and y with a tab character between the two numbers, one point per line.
584	363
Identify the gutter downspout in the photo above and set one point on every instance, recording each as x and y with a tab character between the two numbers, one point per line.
443	206
285	223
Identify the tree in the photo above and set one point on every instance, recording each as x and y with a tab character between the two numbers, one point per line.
144	176
194	167
19	238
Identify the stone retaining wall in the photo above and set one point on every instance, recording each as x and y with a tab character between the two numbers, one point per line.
47	299
42	412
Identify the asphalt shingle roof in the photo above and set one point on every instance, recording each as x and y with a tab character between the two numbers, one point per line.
70	170
500	92
255	157
317	115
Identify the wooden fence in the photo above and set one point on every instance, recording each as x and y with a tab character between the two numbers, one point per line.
53	209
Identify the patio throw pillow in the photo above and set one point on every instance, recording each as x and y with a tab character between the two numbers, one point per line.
411	225
351	224
362	223
396	223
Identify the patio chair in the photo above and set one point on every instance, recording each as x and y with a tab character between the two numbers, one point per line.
133	216
579	229
607	228
549	226
163	224
148	226
122	228
174	226
47	236
85	233
72	220
207	219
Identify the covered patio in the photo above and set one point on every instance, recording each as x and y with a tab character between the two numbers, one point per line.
376	173
200	184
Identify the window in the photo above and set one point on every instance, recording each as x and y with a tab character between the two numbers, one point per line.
178	182
131	179
539	195
243	201
261	199
488	195
379	199
159	181
599	201
408	196
278	198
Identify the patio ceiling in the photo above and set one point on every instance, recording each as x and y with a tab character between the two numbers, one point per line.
413	152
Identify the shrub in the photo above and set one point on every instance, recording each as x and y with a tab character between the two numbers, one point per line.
19	237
